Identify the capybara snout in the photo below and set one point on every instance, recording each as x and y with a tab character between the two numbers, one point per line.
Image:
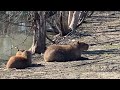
84	45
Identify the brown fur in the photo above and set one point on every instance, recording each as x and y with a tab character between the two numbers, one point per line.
19	52
20	61
65	52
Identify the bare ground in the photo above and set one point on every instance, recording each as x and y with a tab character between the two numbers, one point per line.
101	32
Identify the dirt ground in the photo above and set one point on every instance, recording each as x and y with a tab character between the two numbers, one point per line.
102	33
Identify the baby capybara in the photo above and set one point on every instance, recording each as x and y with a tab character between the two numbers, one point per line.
20	61
65	52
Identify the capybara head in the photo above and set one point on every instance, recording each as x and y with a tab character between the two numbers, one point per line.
19	52
27	54
81	45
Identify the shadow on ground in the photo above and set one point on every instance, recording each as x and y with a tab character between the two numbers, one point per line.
109	51
36	65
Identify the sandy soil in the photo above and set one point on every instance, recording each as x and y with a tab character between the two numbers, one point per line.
101	32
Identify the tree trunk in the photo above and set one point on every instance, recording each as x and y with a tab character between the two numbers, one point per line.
39	37
67	22
70	15
74	20
64	30
82	17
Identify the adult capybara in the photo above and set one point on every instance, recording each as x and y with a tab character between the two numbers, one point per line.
65	52
20	61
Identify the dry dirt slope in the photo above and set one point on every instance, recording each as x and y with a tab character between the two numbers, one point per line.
102	32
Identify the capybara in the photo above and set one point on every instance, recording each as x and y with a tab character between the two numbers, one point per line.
20	61
65	52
